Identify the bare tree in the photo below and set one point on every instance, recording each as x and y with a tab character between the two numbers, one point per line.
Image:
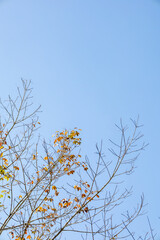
48	188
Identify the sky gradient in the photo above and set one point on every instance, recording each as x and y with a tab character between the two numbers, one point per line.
91	63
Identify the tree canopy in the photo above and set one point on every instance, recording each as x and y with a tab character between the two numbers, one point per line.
47	188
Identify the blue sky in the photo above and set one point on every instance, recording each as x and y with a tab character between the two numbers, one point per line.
91	63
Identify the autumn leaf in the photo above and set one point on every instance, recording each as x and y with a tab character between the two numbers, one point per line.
56	193
66	169
88	198
16	168
61	205
77	187
54	188
1	147
83	195
61	161
6	177
76	199
5	161
3	191
86	209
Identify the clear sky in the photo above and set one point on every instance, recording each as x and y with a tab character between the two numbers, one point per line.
91	63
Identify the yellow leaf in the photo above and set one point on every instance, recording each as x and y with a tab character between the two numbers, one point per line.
45	168
1	155
61	161
6	177
65	169
4	191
